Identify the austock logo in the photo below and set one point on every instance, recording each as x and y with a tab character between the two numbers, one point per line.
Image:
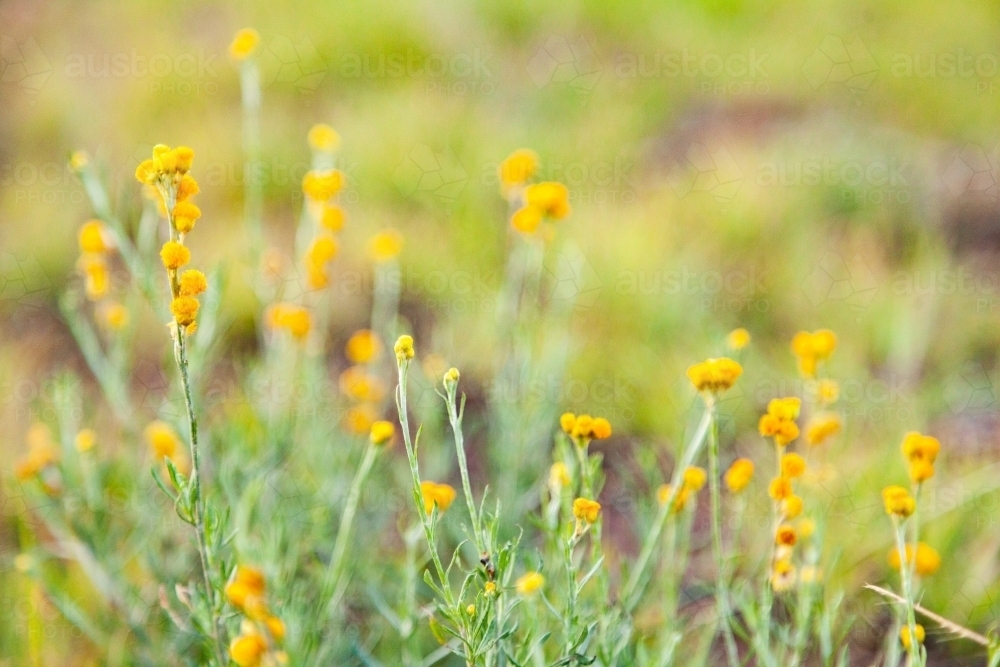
23	64
425	171
709	168
972	173
300	65
558	61
835	62
834	279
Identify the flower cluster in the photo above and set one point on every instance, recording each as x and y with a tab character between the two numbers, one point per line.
96	245
585	511
289	317
812	348
779	420
738	475
261	632
531	202
714	376
584	428
920	452
692	481
358	383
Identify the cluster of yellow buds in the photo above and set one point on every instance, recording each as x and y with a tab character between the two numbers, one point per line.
360	385
921	452
927	562
584	428
437	495
812	348
899	504
164	443
782	488
321	186
586	512
712	377
261	632
42	455
779	420
738	475
168	172
824	424
692	482
95	247
532	202
289	317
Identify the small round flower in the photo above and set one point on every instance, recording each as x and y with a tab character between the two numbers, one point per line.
822	427
114	315
928	559
827	392
806	528
780	488
526	219
529	584
323	138
247	650
185	215
785	409
187	188
85	440
322	249
582	428
451	377
918	447
559	476
78	160
276	627
550	198
93	237
601	428
921	470
174	255
244	43
586	510
471	610
363	346
904	634
783	575
404	348
898	501
785	535
295	319
359	418
192	283
714	375
184	309
385	246
162	440
332	217
739	475
694	478
357	383
738	339
792	465
489	588
791	507
382	432
439	495
811	348
321	186
517	168
567	422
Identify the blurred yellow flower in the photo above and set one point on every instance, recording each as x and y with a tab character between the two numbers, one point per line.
780	488
739	475
928	559
526	219
785	535
323	138
586	510
248	650
440	495
363	346
404	348
738	339
359	418
93	237
184	309
332	217
85	440
382	432
184	216
174	255
529	583
918	447
904	634
898	501
386	245
192	283
791	507
714	375
822	427
811	348
295	319
694	478
783	575
321	186
559	476
243	44
792	465
517	168
114	315
551	198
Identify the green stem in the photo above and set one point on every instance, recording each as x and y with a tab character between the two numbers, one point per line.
455	417
907	582
721	582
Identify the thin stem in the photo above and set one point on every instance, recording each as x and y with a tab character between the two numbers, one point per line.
905	575
455	418
333	584
721	582
945	623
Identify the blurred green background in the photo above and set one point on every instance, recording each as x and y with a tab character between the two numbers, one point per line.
777	166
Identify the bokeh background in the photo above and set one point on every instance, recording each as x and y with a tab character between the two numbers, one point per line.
772	165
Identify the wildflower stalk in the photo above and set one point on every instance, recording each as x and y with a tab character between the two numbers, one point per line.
455	414
253	203
334	585
906	576
631	592
721	578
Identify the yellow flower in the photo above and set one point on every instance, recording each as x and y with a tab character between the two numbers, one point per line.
323	138
192	283
601	428
739	475
185	215
738	339
828	391
567	422
451	377
783	431
295	319
247	650
42	452
174	255
550	198
382	432
791	507
321	186
362	347
97	278
359	385
898	501
440	495
714	375
404	348
517	168
78	160
332	217
489	588
164	443
780	488
822	427
529	584
244	43
811	348
559	476
247	583
85	440
904	634
93	237
526	219
187	188
386	245
928	559
359	419
586	510
786	409
783	575
184	309
917	447
276	627
694	478
114	315
792	465
785	535
921	471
